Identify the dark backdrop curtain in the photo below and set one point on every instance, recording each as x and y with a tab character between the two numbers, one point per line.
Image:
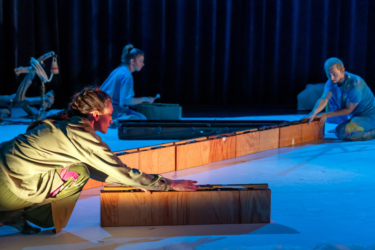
197	52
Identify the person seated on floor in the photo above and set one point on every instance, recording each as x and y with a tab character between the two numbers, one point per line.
43	171
351	104
120	87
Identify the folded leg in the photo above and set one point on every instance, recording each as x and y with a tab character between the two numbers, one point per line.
359	128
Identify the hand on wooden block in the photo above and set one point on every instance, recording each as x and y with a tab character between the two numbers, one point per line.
310	118
184	185
323	117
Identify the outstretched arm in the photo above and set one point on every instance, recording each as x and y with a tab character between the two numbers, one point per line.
180	185
320	105
345	111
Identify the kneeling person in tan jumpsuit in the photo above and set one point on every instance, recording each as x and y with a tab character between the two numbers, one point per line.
43	171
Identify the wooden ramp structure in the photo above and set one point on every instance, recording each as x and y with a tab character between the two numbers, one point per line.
211	204
185	154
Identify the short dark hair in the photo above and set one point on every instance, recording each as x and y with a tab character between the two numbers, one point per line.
333	61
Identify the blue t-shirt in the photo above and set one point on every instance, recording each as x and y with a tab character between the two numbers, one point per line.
119	86
354	90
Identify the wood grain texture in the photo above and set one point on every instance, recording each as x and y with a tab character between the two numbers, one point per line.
193	139
222	149
167	159
320	132
308	131
247	144
290	135
109	206
185	208
192	155
269	139
312	131
130	160
260	202
157	161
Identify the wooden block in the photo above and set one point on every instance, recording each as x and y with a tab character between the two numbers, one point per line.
92	184
167	144
201	187
130	160
262	201
125	208
308	132
269	139
145	148
157	161
290	135
193	139
246	131
247	144
126	151
167	159
192	155
222	148
312	131
319	132
157	146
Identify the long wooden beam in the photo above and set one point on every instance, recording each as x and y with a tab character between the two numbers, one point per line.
184	154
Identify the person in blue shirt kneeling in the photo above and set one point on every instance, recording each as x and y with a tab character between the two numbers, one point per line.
351	103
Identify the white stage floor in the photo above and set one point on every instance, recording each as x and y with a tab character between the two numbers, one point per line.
322	198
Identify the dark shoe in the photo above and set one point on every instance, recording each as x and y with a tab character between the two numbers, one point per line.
30	230
23	226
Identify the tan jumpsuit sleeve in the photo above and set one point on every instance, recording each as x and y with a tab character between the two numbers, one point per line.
106	167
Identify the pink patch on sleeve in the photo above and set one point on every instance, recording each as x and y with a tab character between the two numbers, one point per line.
64	175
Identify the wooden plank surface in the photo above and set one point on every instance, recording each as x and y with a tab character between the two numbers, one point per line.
269	139
222	148
290	135
157	161
312	131
109	209
247	143
319	132
185	208
167	159
130	160
260	201
308	132
192	155
193	139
